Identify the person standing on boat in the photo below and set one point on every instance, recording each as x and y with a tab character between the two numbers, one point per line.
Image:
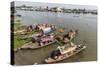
71	34
69	38
55	54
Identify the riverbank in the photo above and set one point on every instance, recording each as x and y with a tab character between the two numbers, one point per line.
54	9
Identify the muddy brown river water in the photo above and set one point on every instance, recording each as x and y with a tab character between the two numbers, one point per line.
85	23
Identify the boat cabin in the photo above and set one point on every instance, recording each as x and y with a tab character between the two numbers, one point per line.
68	50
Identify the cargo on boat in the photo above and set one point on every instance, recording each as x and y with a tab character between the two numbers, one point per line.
38	42
46	28
70	51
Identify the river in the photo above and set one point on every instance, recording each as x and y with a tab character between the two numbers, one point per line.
85	23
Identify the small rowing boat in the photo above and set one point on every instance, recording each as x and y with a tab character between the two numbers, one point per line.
67	54
19	32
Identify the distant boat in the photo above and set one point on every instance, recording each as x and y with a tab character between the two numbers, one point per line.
18	15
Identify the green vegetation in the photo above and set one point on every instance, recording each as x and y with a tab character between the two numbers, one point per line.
17	26
18	42
19	39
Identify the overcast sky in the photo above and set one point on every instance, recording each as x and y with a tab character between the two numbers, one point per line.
19	3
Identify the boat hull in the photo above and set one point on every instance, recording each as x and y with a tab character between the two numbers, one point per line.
62	57
35	45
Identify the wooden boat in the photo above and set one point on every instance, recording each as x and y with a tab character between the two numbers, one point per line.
19	32
31	45
68	53
37	34
35	27
39	42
